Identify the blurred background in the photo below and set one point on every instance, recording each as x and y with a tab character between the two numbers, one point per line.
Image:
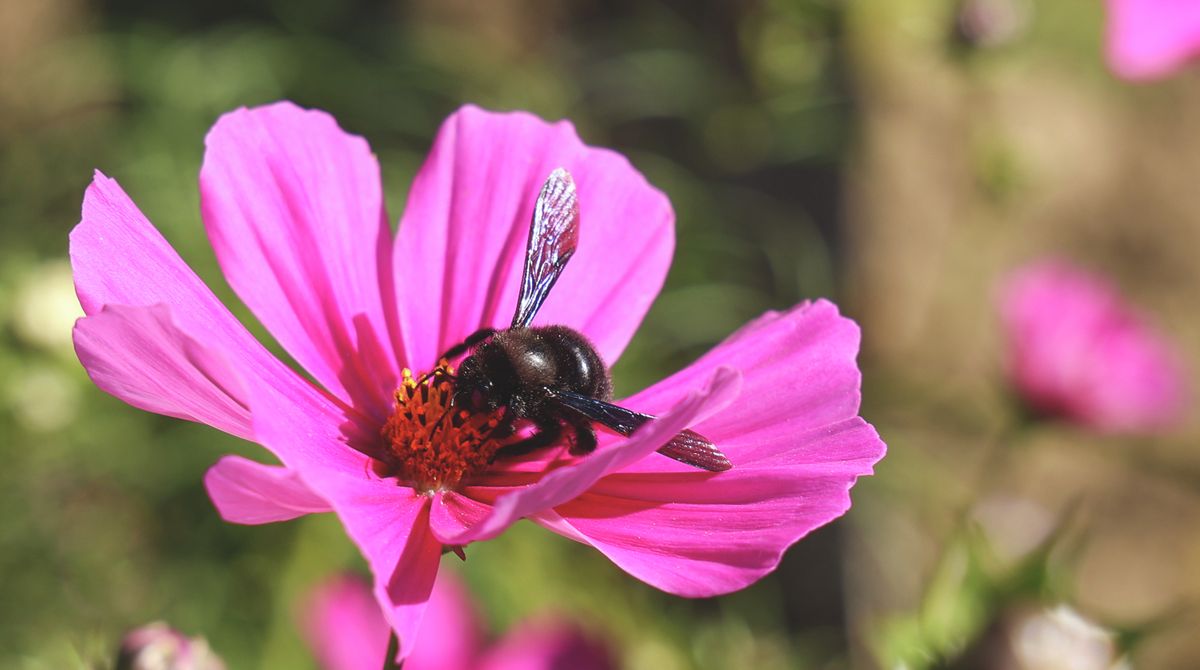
897	156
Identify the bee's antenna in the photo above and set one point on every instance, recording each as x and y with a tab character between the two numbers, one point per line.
449	406
445	413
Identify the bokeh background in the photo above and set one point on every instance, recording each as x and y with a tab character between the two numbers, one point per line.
870	151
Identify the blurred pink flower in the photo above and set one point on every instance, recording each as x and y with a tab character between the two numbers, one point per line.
1151	38
294	209
1079	352
347	631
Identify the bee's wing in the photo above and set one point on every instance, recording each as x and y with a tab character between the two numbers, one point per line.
615	417
688	447
553	236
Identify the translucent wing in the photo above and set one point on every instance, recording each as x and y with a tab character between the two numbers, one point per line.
553	236
688	447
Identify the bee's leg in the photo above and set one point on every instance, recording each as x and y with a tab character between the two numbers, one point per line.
472	339
548	431
584	439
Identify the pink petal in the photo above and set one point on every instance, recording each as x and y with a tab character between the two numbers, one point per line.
118	258
453	513
568	483
451	637
388	523
347	631
139	355
548	644
344	626
1152	38
244	491
799	369
697	534
462	239
796	445
294	210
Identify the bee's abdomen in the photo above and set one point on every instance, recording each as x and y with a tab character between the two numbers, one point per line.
554	357
579	367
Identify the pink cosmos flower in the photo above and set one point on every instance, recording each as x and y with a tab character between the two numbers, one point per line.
294	210
1077	351
1148	39
347	631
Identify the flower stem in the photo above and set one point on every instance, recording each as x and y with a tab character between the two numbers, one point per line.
997	456
389	659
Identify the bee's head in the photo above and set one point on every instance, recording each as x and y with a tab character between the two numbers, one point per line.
477	388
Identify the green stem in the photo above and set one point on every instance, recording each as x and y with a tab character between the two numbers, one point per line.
997	456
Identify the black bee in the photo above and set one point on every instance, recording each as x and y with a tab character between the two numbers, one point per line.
551	375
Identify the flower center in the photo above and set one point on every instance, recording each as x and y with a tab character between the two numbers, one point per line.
430	444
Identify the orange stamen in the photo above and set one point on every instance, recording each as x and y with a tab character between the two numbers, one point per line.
430	444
